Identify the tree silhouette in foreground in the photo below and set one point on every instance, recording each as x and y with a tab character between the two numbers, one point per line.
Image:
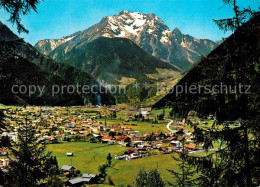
109	160
32	166
240	17
102	173
19	8
235	62
184	177
2	127
150	179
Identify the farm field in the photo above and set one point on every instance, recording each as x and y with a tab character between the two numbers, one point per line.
89	156
142	127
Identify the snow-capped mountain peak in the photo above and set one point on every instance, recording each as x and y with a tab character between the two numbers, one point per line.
130	24
146	30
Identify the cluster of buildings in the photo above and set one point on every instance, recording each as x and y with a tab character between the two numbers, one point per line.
83	180
60	124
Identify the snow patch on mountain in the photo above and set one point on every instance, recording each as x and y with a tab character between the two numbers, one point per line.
55	43
106	35
64	40
126	22
165	37
122	34
150	31
164	40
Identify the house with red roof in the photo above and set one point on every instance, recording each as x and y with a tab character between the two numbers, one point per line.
170	139
129	151
116	126
126	128
123	139
190	147
105	133
106	139
3	152
180	138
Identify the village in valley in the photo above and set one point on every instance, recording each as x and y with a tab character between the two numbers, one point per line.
128	133
129	93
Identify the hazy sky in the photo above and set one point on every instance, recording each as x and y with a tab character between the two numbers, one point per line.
58	18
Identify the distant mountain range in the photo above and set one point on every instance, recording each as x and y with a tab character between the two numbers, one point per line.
146	30
22	64
121	50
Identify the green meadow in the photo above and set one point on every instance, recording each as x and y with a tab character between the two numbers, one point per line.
89	156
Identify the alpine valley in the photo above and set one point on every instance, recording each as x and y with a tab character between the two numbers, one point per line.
127	49
134	51
145	30
129	101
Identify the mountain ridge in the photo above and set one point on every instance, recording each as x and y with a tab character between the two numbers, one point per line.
34	68
111	59
147	30
233	64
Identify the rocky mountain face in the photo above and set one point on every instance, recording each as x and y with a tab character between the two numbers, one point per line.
22	64
146	30
47	46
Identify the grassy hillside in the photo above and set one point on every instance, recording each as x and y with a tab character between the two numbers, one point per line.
150	89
